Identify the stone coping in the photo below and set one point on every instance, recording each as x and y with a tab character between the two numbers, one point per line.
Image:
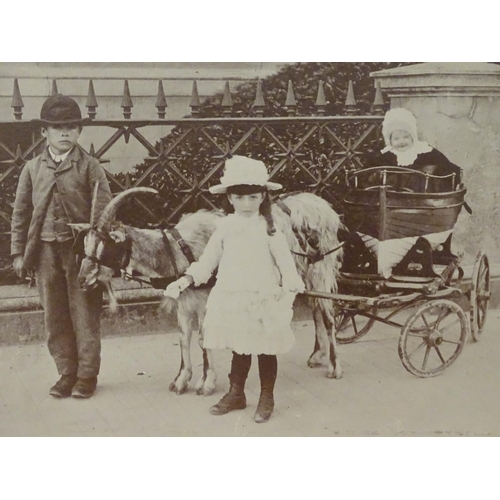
437	79
142	71
20	298
441	68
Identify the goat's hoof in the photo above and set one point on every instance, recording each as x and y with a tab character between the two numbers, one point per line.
313	364
208	391
335	373
205	390
316	359
200	387
173	387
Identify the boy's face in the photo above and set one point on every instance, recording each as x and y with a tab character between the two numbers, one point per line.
401	140
61	138
246	205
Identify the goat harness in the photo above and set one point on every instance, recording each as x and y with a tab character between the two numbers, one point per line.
160	283
116	255
312	258
110	253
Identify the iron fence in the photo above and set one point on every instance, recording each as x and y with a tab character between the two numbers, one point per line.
308	153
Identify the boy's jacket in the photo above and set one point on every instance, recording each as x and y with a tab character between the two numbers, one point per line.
75	179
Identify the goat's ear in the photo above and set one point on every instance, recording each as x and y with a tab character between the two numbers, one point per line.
80	227
117	236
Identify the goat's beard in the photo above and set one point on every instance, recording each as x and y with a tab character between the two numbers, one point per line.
100	276
104	279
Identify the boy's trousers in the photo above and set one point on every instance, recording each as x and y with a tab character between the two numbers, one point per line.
72	316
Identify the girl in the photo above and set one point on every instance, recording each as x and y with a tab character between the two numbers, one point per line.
250	308
403	149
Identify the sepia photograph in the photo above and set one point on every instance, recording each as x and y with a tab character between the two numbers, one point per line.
246	251
166	224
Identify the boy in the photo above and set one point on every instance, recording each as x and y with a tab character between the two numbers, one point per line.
55	189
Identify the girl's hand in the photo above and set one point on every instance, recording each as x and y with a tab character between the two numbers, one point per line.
176	288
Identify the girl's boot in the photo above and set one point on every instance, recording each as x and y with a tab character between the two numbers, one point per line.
268	369
235	399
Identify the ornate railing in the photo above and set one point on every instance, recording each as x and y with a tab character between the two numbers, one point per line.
311	153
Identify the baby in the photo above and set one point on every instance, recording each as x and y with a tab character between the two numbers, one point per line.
404	149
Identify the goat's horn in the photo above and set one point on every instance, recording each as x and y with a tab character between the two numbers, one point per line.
94	204
109	212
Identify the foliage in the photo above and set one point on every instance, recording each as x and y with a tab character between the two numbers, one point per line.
195	156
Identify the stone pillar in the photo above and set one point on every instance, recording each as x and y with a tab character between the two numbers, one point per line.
457	106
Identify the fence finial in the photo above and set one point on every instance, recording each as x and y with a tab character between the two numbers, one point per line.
320	100
161	102
54	90
227	101
350	102
127	103
290	103
128	181
91	103
195	100
378	103
17	101
259	103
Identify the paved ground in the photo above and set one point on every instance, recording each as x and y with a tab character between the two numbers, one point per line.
376	396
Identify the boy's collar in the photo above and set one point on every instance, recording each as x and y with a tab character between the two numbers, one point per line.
59	158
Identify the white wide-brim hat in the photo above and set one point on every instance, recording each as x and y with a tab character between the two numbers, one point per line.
399	119
243	171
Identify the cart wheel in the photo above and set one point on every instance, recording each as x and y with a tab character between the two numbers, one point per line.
479	295
351	326
432	338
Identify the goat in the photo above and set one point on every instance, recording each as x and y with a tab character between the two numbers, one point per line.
309	224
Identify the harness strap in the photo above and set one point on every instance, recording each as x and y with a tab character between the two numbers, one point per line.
286	210
170	252
186	250
283	206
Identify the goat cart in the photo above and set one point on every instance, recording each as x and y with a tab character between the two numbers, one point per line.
398	262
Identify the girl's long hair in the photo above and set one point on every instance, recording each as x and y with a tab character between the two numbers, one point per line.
265	207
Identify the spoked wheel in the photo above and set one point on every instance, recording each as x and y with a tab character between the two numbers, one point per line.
351	326
432	338
479	295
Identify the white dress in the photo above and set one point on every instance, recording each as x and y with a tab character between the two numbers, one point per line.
244	313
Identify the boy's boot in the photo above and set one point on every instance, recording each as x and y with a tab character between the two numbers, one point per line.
268	369
62	388
235	399
84	388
